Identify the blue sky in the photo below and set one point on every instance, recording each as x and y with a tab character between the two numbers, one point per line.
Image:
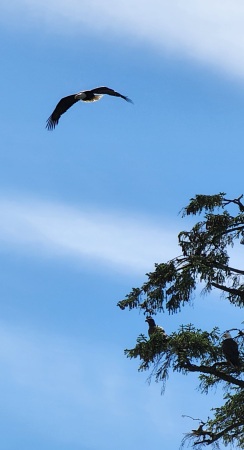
86	210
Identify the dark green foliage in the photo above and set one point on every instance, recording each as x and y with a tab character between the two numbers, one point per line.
204	258
204	202
186	350
204	261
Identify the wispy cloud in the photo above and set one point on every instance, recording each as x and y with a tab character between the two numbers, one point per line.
209	31
55	230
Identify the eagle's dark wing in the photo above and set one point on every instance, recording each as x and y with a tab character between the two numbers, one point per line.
62	106
108	91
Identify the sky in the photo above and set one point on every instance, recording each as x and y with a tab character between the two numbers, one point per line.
87	209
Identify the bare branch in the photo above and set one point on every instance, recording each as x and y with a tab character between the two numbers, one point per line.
233	291
211	370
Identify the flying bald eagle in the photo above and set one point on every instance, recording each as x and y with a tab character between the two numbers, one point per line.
85	96
153	328
230	350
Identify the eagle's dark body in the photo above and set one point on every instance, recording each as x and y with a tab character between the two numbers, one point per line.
153	328
230	350
85	96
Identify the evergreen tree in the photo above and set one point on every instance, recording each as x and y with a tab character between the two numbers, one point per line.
204	262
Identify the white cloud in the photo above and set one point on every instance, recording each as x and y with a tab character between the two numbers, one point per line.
132	245
209	31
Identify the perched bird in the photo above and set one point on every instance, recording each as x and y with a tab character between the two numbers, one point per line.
230	350
85	96
152	327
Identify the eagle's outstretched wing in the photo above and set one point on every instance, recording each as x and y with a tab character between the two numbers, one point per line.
108	91
62	106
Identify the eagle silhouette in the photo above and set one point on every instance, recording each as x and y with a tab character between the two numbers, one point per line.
92	95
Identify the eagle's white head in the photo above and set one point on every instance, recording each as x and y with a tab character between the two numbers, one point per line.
227	335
